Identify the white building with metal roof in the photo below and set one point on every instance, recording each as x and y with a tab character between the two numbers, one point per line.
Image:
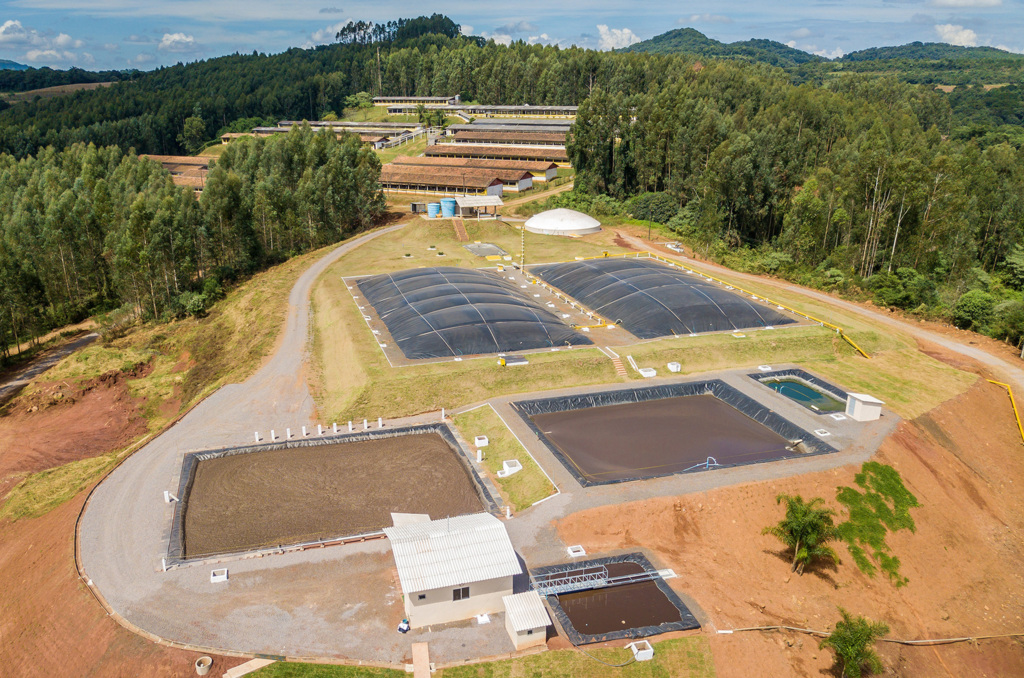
453	568
526	619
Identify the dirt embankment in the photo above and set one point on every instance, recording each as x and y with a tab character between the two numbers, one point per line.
51	625
61	422
965	464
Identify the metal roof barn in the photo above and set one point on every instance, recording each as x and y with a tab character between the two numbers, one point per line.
452	552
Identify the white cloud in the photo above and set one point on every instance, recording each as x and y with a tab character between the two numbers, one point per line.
466	29
1015	50
501	39
177	42
837	53
142	59
111	47
791	43
534	39
39	47
801	33
518	27
331	10
325	35
956	35
50	56
64	40
706	18
615	38
967	3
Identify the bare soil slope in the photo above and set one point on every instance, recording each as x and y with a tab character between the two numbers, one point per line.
64	421
50	625
965	464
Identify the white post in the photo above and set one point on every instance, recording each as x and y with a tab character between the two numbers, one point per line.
335	427
288	434
442	414
350	426
508	511
365	425
380	422
257	436
303	431
163	562
167	497
273	436
319	430
479	456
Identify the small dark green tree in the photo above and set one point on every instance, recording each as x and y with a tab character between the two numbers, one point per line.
193	134
807	529
852	642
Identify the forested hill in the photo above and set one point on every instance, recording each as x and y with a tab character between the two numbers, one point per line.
692	41
932	51
25	79
12	66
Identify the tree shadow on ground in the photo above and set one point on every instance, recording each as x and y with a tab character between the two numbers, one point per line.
818	568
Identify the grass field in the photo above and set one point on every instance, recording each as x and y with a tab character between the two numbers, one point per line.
521	490
412	148
688	657
51	92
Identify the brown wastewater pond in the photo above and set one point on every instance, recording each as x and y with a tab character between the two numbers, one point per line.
619	608
657	437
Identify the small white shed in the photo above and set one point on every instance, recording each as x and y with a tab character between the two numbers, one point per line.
453	568
526	619
862	407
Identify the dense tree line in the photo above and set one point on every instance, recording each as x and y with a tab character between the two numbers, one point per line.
848	186
38	78
93	228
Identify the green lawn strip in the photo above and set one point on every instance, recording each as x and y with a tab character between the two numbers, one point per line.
38	493
882	505
521	489
688	657
297	670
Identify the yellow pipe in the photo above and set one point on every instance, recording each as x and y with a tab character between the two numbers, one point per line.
1013	403
851	343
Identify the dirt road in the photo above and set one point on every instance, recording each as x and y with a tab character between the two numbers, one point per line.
20	379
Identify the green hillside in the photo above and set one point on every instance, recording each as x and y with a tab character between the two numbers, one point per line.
932	51
6	65
692	41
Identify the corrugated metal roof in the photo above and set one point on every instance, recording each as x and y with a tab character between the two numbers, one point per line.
526	611
479	201
452	552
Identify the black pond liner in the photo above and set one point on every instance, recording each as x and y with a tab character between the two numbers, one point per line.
686	621
801	375
445	312
176	542
654	300
762	414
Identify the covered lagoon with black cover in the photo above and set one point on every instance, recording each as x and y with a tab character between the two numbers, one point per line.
446	311
653	300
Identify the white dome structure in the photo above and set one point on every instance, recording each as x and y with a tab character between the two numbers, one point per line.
562	222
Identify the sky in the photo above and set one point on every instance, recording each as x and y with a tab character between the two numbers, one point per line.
146	34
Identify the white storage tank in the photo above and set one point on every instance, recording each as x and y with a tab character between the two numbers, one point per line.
862	407
562	222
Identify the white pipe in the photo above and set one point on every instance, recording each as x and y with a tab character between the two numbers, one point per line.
479	456
380	422
288	434
319	430
257	436
303	431
335	427
365	425
350	426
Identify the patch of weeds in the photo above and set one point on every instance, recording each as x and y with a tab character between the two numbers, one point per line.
883	507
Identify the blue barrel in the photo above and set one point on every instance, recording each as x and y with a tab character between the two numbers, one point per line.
447	207
433	209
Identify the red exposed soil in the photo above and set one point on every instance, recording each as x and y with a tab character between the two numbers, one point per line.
51	625
964	463
60	422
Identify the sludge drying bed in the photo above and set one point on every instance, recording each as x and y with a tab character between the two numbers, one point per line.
632	610
323	489
633	434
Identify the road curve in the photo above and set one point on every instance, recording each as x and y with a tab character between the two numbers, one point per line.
124	528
